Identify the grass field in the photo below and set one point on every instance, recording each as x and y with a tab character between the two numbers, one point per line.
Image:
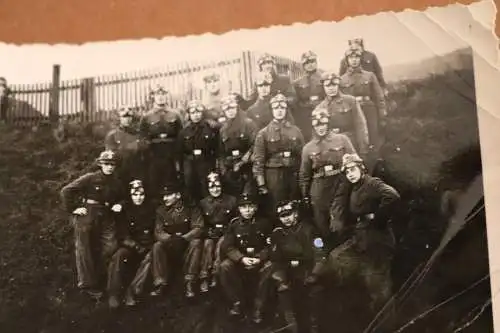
432	145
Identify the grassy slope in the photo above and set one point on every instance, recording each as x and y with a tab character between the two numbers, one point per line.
430	125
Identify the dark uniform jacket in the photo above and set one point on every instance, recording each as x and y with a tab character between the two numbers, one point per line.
261	114
309	90
297	247
277	145
364	86
322	157
347	117
160	125
198	141
218	213
236	140
370	63
178	220
126	143
95	188
280	83
372	196
247	239
137	226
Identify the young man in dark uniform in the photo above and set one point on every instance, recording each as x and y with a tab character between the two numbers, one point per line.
178	228
92	200
136	238
198	144
160	128
126	143
246	251
237	137
297	256
218	210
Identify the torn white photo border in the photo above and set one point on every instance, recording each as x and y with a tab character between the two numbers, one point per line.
437	154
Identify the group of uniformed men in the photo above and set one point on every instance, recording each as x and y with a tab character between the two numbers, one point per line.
273	189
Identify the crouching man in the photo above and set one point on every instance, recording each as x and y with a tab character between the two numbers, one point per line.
92	201
218	210
246	249
297	256
136	238
178	228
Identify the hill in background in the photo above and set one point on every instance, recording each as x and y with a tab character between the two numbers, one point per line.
433	121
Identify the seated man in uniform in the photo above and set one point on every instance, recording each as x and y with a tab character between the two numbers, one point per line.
297	256
136	238
178	228
218	210
246	251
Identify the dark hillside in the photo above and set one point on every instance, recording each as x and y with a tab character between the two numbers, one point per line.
433	124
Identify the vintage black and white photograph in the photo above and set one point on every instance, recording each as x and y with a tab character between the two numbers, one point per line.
319	177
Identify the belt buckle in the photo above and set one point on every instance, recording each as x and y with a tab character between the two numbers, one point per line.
146	232
329	170
178	233
313	98
221	119
294	263
163	135
235	153
287	154
250	250
219	226
197	152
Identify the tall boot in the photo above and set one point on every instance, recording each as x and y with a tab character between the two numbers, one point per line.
286	305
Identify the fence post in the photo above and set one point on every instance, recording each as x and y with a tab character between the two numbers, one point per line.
88	99
246	73
54	94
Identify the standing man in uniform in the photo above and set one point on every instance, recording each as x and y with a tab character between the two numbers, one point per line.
277	151
135	238
212	99
260	112
369	62
218	210
178	228
280	83
321	182
364	86
309	93
346	116
198	144
160	128
237	137
246	251
92	200
297	256
126	143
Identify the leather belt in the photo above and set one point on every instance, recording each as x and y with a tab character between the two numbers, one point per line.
95	202
326	171
363	98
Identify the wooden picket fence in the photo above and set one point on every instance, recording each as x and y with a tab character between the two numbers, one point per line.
98	98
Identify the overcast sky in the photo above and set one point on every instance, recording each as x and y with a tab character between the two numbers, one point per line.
407	36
